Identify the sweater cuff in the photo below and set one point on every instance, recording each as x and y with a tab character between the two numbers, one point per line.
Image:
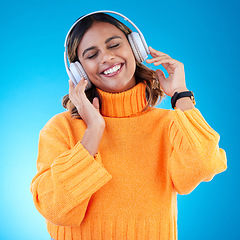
189	128
81	176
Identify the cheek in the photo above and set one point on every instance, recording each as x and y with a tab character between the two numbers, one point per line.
131	60
90	68
130	56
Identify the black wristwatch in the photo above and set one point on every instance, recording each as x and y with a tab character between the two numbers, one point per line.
177	95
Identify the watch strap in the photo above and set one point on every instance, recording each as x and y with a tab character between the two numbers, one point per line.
177	96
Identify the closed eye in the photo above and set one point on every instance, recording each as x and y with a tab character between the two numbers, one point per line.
116	45
95	54
92	56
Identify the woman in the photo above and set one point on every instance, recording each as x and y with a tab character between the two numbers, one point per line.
111	166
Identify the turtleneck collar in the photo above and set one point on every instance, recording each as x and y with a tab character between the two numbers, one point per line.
123	104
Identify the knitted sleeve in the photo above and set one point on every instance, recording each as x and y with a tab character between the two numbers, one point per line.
66	178
195	155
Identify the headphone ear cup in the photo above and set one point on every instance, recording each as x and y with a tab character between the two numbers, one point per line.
78	72
137	46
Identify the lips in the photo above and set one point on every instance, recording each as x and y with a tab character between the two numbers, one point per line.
113	70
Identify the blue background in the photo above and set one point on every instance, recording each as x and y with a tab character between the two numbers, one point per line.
204	35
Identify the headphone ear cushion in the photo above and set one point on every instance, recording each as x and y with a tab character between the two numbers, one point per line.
137	46
78	72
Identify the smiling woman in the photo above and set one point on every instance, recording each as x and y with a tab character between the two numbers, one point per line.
106	56
113	40
111	167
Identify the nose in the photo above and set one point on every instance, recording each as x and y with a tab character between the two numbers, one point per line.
107	55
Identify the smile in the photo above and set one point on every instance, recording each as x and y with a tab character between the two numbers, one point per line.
112	71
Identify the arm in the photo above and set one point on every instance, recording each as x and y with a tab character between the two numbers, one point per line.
90	114
69	175
195	156
66	179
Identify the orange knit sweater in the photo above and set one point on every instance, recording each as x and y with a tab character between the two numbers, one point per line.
129	189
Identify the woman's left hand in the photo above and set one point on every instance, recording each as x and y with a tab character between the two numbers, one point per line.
175	82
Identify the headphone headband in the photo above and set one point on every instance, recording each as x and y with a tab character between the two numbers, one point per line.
107	11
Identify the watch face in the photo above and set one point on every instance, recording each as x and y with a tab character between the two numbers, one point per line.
193	100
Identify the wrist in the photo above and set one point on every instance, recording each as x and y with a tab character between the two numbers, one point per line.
182	89
184	104
97	126
92	137
184	97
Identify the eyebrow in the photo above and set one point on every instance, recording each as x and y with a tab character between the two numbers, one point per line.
111	38
93	47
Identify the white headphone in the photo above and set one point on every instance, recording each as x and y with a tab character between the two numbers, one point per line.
136	40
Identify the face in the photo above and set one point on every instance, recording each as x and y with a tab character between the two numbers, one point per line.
107	58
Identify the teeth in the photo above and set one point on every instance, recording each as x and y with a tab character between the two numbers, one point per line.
112	70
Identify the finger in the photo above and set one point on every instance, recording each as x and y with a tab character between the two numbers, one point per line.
81	86
154	55
155	59
168	60
160	74
96	103
70	83
71	86
155	52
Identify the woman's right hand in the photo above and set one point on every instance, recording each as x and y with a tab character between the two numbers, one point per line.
88	111
90	114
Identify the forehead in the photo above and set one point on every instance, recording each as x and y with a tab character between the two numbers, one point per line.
98	33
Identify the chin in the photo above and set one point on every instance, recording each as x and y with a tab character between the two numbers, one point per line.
121	88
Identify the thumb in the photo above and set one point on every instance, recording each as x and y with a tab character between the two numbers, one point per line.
161	75
96	103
